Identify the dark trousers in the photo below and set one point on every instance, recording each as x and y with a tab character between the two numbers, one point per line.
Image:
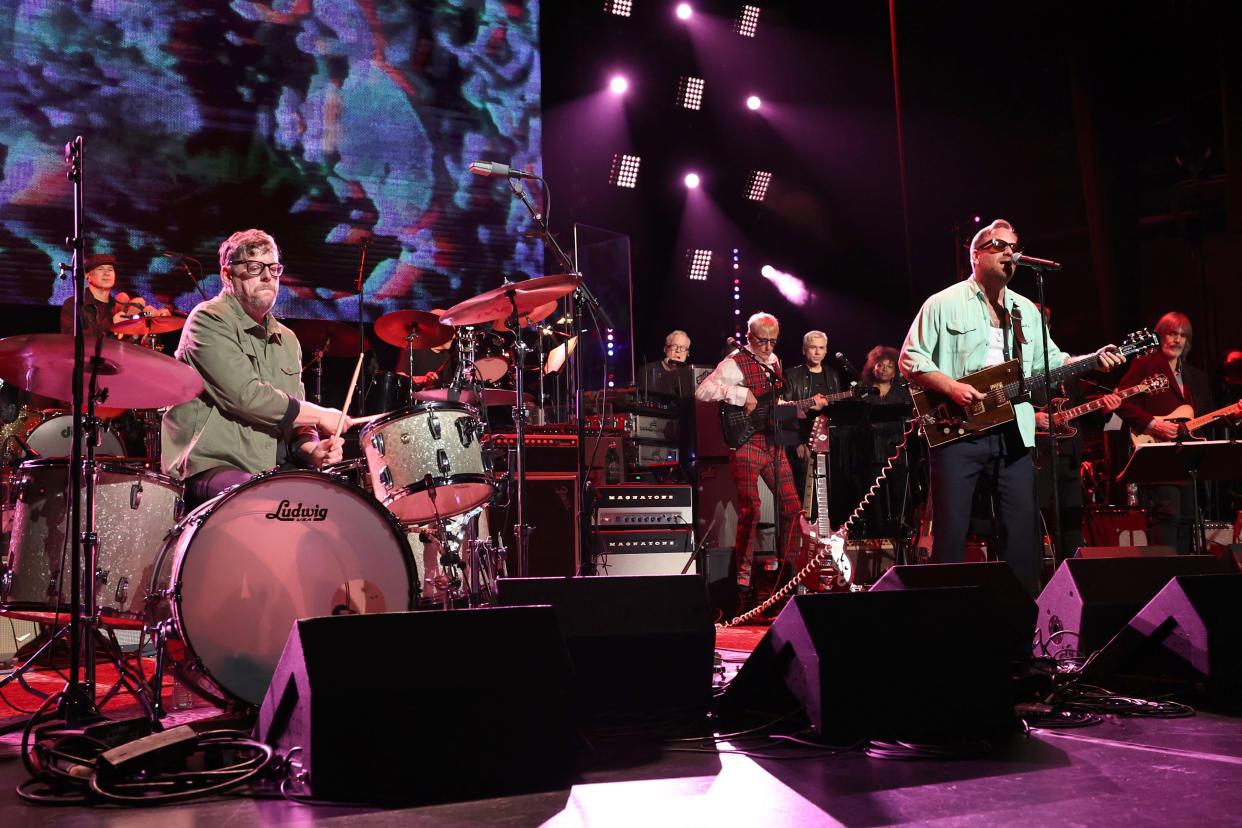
999	457
203	486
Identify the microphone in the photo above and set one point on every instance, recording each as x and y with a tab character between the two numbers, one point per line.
848	366
496	168
1034	263
173	254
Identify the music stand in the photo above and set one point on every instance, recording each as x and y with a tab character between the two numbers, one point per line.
1181	461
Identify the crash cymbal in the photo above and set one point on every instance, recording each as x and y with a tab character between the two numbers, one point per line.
134	377
141	324
558	355
499	303
491	396
418	329
534	317
335	339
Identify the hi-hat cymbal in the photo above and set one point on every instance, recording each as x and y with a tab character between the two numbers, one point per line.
335	339
499	303
417	329
133	376
491	396
141	324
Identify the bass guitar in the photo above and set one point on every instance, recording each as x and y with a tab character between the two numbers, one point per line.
1061	417
738	426
1185	412
820	535
944	421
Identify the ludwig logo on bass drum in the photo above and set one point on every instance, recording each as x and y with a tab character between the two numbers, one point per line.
286	512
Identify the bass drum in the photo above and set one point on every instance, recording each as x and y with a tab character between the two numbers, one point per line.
242	567
53	437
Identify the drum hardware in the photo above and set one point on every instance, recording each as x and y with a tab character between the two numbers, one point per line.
323	337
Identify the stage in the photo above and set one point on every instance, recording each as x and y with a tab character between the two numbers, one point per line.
1122	771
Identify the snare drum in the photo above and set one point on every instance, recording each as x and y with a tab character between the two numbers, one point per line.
242	567
426	462
134	510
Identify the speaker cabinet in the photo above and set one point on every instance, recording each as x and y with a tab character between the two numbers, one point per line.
644	551
551	506
1089	599
716	522
924	665
1186	638
422	707
1013	608
641	645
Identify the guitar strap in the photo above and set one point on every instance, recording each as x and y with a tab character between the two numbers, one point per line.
1015	325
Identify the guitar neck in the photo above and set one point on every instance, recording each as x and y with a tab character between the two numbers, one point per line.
821	491
1230	410
1068	414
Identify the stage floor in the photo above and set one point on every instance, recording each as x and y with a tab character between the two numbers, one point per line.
1131	772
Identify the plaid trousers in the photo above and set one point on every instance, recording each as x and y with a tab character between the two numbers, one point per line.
748	464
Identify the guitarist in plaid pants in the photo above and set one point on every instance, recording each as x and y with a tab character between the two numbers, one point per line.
740	379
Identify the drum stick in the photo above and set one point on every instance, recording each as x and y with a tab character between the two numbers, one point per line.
364	420
349	395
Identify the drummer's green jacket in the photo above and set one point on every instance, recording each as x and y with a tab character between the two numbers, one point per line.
252	382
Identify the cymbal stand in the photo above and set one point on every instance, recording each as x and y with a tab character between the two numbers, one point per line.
317	363
521	532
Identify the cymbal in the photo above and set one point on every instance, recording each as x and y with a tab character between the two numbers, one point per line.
141	324
491	396
498	303
558	355
335	339
418	329
134	377
527	319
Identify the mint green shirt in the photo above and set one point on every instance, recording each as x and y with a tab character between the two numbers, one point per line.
951	333
252	381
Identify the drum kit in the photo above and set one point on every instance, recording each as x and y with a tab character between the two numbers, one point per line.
219	588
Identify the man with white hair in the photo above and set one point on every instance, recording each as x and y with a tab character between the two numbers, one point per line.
742	378
252	414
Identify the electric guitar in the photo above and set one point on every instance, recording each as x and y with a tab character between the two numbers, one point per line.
1185	412
944	421
821	535
1062	416
738	426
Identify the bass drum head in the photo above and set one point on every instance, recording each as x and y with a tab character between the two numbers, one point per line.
54	438
253	560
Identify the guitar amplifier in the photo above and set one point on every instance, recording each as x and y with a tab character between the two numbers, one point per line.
642	455
645	506
660	427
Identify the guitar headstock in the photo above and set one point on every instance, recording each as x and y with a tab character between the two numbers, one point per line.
1156	382
1139	342
819	434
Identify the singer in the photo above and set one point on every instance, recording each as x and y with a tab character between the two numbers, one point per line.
741	379
973	324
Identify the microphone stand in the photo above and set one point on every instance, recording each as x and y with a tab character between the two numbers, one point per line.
582	296
1054	490
362	388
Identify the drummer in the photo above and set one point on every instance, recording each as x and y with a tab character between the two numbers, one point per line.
101	309
252	414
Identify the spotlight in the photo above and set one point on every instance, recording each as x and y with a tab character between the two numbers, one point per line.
757	185
753	102
690	92
684	11
618	84
698	262
692	180
624	171
747	21
790	286
621	8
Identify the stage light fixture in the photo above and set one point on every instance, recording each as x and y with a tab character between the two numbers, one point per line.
621	8
684	11
789	285
753	102
747	21
698	262
690	92
757	185
692	180
624	171
618	84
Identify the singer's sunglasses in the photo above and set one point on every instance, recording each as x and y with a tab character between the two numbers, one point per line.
760	340
1000	245
255	267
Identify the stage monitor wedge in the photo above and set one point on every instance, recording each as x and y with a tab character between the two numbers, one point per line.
413	708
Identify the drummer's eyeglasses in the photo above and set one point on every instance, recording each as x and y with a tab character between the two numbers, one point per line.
999	245
255	267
